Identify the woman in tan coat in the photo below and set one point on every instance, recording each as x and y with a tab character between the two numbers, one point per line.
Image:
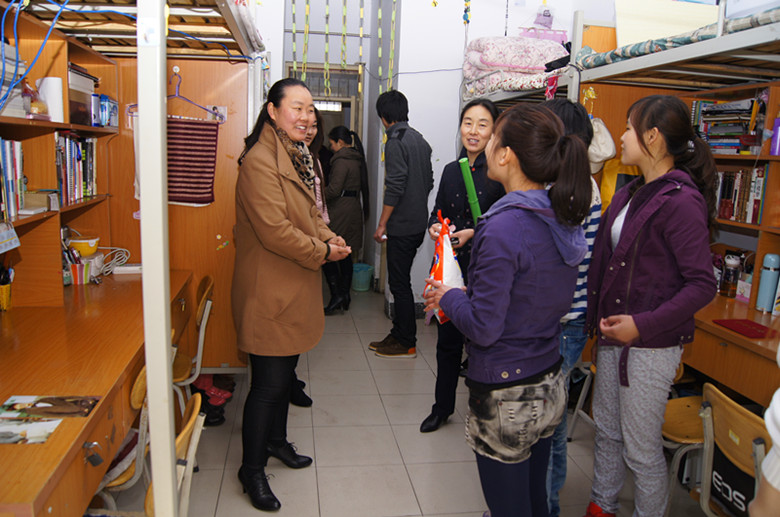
281	243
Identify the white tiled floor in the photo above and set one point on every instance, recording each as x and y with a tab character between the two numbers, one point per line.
370	460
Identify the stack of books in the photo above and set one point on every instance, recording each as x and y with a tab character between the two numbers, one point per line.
75	159
11	178
13	105
741	195
728	127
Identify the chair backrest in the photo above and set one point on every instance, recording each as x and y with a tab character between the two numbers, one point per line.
204	292
186	446
739	434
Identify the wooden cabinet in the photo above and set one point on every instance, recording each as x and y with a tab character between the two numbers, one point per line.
37	262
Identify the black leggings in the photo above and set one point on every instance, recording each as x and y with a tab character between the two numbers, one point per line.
265	410
517	489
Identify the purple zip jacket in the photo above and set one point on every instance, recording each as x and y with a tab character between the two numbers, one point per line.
521	281
661	270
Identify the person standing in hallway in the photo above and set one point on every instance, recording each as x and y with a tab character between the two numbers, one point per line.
348	183
651	272
404	218
522	276
476	127
573	337
281	241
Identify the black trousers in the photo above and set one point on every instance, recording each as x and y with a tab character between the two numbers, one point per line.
266	407
449	353
400	255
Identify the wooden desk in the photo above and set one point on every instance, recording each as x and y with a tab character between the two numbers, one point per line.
748	366
91	346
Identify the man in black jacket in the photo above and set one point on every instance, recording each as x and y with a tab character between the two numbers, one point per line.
404	219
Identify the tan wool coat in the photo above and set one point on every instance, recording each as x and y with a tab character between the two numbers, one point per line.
279	237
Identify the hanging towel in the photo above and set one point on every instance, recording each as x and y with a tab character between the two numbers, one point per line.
192	157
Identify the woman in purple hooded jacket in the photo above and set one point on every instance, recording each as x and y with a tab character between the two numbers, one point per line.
522	275
651	271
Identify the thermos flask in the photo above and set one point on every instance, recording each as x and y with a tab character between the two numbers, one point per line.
765	299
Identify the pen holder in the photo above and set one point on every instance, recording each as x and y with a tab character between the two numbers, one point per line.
5	297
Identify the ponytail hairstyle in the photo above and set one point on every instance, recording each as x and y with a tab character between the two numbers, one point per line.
275	96
691	154
546	155
351	138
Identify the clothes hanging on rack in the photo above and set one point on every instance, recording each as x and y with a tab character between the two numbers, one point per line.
192	159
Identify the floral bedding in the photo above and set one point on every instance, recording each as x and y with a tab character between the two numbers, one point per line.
508	63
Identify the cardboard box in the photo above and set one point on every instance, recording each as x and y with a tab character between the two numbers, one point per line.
47	200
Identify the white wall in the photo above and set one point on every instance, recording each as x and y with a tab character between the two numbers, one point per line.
428	59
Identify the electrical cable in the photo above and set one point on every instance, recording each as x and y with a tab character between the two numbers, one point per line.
113	259
4	98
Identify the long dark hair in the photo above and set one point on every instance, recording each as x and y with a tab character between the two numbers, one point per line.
316	144
546	155
485	103
351	138
275	96
691	154
574	117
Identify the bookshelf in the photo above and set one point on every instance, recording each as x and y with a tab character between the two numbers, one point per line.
764	233
37	262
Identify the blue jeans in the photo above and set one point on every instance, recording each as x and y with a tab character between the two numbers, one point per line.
516	489
572	342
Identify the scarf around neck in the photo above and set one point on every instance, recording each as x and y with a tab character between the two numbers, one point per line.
299	155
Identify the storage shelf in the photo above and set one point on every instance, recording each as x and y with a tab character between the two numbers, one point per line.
16	128
91	200
24	220
728	222
747	157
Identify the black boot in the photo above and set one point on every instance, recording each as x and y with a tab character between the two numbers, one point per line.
259	490
331	271
345	266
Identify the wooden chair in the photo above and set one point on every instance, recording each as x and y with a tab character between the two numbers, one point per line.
185	368
739	434
186	446
137	467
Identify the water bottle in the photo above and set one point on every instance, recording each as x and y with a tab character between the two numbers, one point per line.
728	282
770	273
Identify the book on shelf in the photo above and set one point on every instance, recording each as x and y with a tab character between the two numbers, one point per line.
729	127
740	195
12	175
75	165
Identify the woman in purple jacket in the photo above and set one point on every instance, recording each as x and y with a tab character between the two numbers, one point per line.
651	272
523	270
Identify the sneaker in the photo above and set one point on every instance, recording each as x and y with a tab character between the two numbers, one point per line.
376	344
392	348
595	510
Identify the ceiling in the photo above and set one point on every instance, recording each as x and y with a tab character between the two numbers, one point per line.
216	29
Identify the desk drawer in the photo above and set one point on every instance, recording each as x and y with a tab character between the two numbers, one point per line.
80	480
750	374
